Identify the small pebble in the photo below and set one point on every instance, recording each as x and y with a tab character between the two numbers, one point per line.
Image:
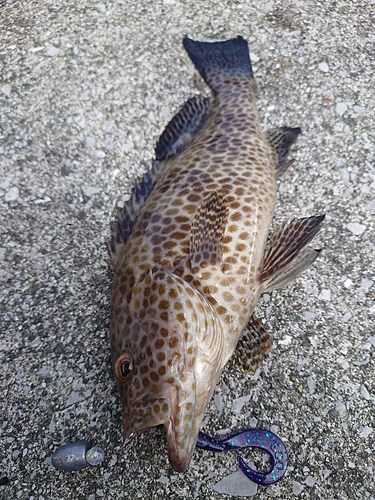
326	473
12	194
311	384
90	191
107	126
128	146
364	393
90	142
340	407
98	153
355	228
323	67
74	398
348	283
310	481
163	479
325	295
366	284
35	342
286	341
341	108
359	109
219	402
309	315
236	484
237	404
365	431
52	51
297	487
7	89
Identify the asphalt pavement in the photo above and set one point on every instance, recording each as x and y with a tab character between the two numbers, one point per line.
86	88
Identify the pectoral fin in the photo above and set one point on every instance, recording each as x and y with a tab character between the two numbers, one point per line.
282	139
207	232
252	346
286	255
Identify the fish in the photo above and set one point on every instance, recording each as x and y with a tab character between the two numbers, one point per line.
191	252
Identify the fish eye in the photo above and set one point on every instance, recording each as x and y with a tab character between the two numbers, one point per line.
124	367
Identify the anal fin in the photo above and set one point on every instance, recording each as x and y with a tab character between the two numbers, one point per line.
286	255
281	139
179	130
207	231
254	342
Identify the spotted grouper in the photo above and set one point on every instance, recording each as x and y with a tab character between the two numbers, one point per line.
190	252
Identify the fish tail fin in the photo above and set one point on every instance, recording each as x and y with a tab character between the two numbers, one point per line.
216	61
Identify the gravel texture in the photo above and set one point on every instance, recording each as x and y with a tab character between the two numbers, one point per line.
85	90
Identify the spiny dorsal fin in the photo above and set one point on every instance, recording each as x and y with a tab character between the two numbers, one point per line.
282	139
179	130
128	214
207	231
254	342
286	255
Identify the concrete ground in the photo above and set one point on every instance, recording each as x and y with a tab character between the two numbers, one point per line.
85	90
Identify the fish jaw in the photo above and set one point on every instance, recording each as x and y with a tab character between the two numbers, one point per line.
181	419
198	380
176	362
179	456
183	427
179	407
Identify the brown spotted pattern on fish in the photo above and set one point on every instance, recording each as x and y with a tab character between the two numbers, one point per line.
191	259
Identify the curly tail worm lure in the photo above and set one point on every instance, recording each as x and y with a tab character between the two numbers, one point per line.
252	438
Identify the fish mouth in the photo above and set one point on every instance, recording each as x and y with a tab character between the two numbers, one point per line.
180	452
181	426
135	427
149	410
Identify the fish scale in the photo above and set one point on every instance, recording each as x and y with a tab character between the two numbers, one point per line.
190	253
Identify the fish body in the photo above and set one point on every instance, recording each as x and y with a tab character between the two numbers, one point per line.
190	253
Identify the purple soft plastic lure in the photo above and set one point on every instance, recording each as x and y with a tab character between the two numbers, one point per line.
252	438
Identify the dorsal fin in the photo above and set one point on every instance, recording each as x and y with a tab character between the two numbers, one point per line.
179	130
128	214
207	231
281	139
286	254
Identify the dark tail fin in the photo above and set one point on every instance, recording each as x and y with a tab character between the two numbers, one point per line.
217	60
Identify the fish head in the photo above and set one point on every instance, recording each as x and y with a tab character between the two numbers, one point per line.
167	361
